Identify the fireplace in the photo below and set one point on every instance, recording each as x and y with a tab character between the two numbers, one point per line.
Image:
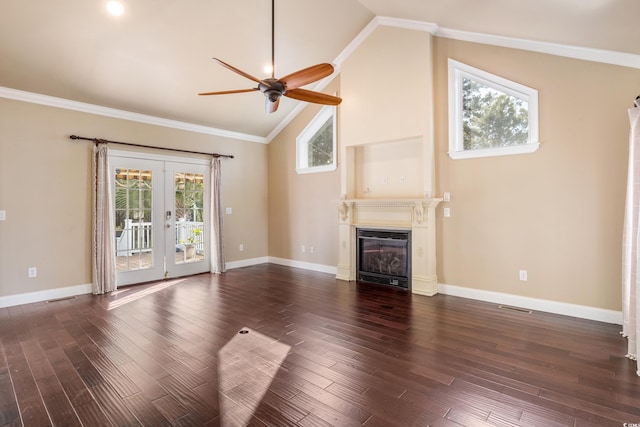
416	217
383	256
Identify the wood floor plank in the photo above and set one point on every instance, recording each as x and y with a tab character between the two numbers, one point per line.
113	405
170	408
145	411
319	352
57	403
9	412
74	387
189	399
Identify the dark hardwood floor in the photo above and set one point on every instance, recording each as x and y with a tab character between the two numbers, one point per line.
272	345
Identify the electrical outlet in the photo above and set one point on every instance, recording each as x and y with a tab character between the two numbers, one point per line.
229	211
32	272
241	247
311	249
3	215
403	179
523	275
446	196
447	212
302	249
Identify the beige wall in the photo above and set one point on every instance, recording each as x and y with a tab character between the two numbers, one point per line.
303	208
45	190
557	212
387	89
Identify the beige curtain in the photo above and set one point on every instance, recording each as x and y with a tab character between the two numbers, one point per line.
631	241
217	239
103	255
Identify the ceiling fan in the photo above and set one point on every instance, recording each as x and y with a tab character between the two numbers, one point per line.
288	85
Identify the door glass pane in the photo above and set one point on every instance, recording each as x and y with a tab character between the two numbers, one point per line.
133	219
189	209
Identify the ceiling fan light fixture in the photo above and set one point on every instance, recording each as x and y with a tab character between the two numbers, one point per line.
273	95
115	8
289	85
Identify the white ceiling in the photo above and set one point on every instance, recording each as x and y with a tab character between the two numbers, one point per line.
157	57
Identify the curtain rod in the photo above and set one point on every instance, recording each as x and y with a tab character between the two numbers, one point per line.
228	156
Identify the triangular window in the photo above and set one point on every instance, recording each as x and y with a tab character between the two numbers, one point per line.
489	115
316	144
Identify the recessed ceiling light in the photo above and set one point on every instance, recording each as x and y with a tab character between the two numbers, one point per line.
115	8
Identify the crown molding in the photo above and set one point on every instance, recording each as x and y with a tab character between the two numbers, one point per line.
407	24
576	52
52	101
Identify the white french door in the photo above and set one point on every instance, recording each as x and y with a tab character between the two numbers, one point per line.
161	216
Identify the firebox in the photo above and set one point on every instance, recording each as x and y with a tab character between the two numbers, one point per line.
383	256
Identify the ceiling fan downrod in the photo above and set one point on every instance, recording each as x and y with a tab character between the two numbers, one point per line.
289	86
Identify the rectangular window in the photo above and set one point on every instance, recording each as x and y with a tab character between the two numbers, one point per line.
489	115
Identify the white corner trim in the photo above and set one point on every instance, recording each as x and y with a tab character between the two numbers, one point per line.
304	265
49	294
555	307
52	101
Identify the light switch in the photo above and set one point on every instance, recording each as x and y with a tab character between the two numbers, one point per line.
447	212
3	215
446	196
229	211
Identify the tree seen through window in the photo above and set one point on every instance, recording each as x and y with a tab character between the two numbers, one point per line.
492	118
321	145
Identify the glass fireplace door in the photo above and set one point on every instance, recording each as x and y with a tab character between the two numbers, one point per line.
384	257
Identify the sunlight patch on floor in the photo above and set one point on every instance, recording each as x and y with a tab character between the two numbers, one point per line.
130	294
247	365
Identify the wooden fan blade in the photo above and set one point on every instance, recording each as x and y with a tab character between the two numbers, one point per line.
306	76
312	96
225	92
272	106
242	73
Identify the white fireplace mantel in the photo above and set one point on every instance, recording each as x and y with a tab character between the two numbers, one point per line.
417	215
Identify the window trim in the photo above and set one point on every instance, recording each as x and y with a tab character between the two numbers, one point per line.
457	72
302	142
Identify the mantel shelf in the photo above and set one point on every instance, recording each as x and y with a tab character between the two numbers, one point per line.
395	203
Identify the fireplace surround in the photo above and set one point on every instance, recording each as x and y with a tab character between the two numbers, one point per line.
414	215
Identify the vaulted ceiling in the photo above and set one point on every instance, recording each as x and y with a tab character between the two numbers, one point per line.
155	58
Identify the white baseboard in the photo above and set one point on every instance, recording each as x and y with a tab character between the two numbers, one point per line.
566	309
70	291
246	262
304	265
46	295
